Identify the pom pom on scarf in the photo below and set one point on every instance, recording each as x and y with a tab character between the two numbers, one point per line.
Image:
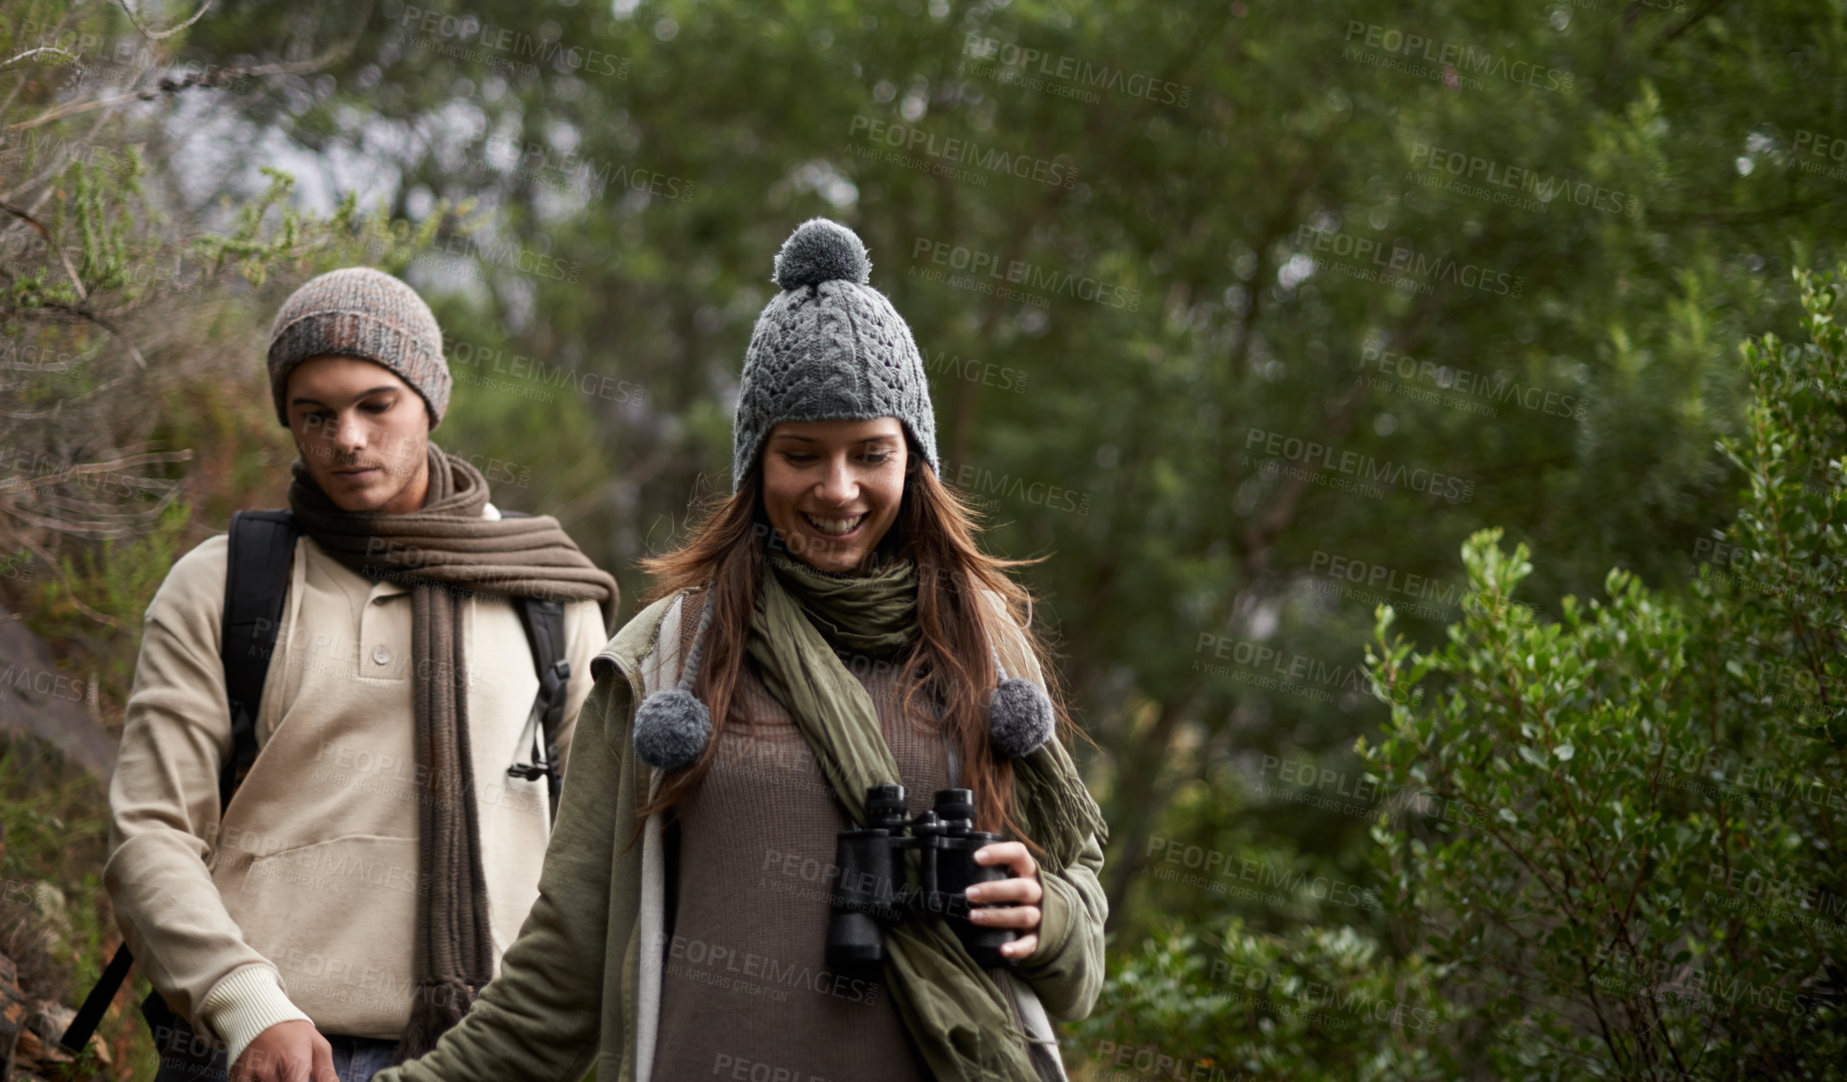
1019	717
671	729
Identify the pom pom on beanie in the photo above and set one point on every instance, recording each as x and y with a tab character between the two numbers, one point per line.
822	251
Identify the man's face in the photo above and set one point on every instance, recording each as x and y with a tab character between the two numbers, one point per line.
363	433
833	488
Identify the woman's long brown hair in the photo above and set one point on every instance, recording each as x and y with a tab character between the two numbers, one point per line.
951	663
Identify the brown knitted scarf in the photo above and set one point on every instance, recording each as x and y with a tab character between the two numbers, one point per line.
444	552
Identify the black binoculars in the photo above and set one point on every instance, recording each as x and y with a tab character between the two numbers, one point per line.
871	887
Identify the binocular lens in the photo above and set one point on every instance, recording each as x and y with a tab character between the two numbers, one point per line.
870	880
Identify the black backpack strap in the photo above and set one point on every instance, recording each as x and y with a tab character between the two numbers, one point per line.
255	584
544	624
90	1015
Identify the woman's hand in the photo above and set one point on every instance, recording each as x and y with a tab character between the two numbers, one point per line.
1015	901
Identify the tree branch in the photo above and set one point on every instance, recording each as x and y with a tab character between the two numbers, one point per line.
159	34
50	242
34	52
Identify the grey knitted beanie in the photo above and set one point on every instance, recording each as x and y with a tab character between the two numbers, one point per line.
366	313
829	347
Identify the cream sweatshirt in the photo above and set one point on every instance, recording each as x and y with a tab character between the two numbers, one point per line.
302	901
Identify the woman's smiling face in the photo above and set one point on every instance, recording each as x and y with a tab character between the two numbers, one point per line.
833	488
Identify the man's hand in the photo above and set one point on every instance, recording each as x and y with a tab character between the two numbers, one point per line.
292	1051
1023	891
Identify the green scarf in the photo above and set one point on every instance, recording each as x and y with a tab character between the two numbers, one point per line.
956	1013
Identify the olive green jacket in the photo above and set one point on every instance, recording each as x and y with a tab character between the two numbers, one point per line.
579	990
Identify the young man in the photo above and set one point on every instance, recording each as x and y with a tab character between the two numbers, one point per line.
377	858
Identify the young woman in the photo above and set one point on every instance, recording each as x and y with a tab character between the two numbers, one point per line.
832	626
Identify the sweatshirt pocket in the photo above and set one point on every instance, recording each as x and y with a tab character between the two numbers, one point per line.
338	919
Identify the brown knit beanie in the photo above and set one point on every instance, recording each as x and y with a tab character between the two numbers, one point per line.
365	313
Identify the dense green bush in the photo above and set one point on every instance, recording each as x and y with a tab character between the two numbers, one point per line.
1614	851
1656	888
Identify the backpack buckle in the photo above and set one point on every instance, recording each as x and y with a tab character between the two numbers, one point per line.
530	771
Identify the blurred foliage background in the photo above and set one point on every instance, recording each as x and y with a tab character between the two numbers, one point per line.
1247	315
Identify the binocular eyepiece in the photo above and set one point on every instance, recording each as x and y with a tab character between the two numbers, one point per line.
871	884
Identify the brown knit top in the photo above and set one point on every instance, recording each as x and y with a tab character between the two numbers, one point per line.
746	979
